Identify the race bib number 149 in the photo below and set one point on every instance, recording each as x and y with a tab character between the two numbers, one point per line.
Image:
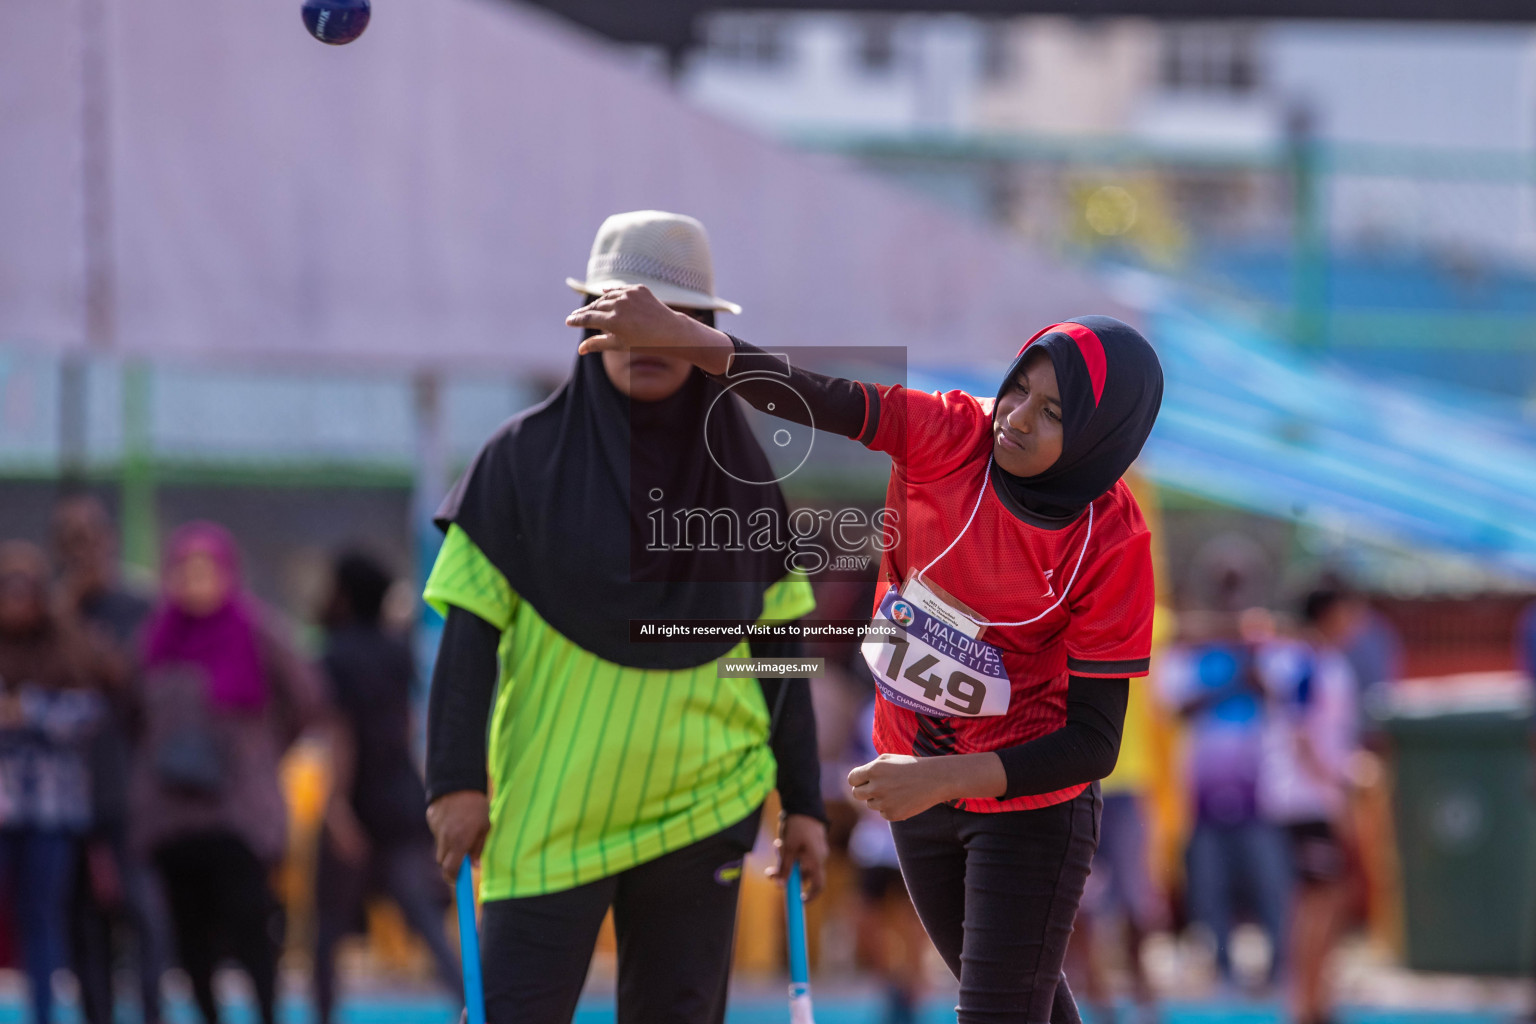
931	666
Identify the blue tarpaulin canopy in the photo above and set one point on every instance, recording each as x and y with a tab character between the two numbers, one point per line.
1248	421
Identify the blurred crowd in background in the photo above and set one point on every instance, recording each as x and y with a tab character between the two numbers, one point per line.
144	809
187	781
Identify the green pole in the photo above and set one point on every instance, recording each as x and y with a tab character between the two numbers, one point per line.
1309	243
140	528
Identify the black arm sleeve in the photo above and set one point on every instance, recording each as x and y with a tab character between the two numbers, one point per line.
792	733
836	404
1083	750
459	704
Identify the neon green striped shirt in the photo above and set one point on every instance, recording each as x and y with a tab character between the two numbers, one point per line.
596	767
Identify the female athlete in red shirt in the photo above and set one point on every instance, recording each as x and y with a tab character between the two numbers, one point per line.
1018	602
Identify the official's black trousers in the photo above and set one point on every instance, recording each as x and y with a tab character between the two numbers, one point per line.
997	894
676	920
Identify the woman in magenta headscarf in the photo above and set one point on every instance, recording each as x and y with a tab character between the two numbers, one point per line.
223	697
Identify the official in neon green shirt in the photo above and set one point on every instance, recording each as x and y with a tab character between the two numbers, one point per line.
586	767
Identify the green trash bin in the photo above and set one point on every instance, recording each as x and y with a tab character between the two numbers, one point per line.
1466	827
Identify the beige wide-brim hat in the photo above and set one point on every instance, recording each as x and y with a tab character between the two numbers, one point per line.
666	252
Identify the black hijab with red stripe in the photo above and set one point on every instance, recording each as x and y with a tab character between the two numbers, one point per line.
1111	387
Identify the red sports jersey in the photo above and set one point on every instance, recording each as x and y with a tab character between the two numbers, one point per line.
1006	570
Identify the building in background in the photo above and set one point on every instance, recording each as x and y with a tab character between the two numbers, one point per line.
1462	96
1369	188
830	70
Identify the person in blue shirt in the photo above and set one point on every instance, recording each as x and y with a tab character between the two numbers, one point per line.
1235	859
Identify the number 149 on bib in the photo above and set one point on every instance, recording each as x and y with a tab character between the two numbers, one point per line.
932	682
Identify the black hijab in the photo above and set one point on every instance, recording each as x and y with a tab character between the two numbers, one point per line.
1111	387
561	500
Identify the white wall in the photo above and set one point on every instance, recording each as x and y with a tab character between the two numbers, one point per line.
819	82
1444	87
1069	77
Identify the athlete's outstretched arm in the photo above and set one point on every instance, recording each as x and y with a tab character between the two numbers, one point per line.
834	404
458	713
633	318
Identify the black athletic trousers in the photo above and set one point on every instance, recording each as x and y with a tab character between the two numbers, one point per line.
997	894
221	903
676	921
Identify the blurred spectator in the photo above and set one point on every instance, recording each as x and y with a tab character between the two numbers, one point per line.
376	837
1374	651
1525	641
1120	890
115	893
1230	571
50	677
1309	736
1234	856
1373	648
1525	661
222	698
891	939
